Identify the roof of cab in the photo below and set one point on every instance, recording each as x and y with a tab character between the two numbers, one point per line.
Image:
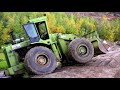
36	20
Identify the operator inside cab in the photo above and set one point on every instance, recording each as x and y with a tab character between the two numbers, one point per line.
42	30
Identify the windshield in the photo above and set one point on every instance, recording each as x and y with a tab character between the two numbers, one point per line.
31	31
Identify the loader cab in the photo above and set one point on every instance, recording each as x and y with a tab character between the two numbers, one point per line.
37	29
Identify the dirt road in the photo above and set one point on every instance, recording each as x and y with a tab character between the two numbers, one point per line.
82	72
101	66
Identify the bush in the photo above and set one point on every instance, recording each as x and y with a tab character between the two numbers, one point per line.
110	30
59	22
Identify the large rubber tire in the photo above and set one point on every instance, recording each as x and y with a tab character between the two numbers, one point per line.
74	46
34	67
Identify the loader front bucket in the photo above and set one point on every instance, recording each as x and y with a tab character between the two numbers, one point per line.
101	46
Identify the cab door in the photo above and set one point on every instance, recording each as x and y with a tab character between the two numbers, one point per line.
32	32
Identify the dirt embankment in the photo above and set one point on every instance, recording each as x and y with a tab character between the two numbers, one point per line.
101	66
96	15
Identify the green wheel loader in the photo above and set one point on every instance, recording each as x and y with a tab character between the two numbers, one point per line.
44	52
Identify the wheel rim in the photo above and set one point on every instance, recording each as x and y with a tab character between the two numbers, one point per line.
42	60
82	50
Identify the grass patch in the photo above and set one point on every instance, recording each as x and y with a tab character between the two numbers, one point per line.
3	63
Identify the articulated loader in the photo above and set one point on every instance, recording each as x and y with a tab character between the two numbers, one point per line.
45	52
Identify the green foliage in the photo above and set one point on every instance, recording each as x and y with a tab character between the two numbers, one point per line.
110	30
59	22
3	63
